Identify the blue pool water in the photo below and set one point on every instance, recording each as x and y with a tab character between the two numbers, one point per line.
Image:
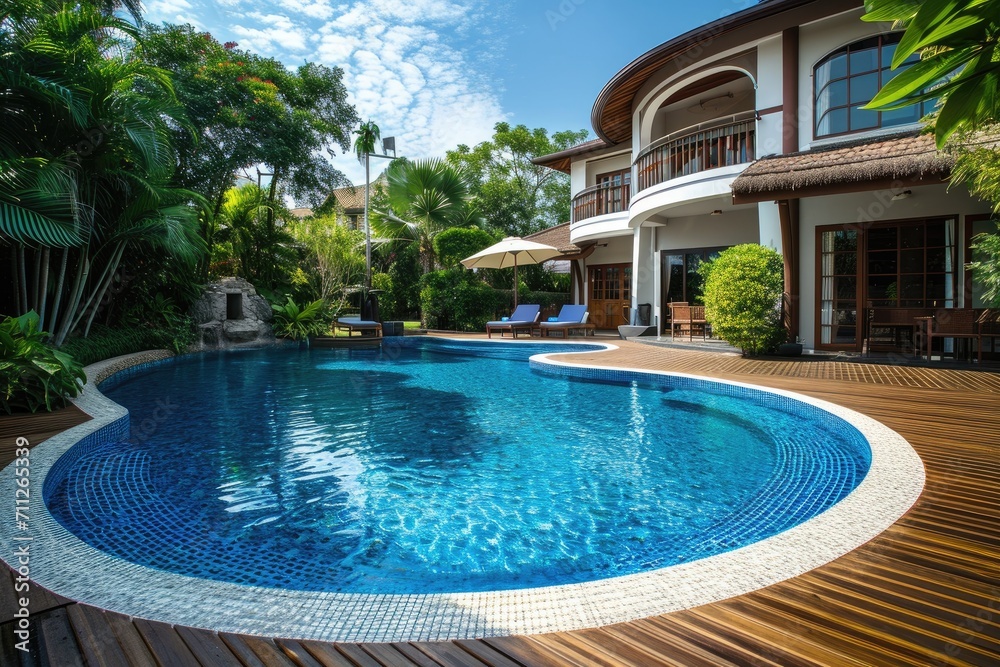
430	466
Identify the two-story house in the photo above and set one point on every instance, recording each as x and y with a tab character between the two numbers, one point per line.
750	130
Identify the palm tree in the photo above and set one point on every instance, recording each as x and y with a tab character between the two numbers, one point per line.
425	198
260	249
104	154
364	146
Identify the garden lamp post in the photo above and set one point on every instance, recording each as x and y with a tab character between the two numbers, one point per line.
364	145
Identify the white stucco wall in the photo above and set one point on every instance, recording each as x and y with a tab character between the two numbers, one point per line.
735	226
617	251
769	225
865	207
604	165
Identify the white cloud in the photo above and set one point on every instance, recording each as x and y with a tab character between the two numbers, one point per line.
412	66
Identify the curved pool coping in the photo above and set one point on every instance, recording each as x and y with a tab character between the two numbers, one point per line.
68	566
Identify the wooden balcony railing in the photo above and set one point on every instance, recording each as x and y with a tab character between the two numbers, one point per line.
599	200
729	142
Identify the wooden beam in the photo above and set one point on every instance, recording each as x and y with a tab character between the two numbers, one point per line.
788	214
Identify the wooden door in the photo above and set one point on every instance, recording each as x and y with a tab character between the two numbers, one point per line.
610	295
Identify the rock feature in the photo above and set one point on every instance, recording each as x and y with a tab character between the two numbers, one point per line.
230	312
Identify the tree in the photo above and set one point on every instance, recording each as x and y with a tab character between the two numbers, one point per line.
103	152
246	111
455	244
514	194
334	256
959	45
743	288
425	197
260	252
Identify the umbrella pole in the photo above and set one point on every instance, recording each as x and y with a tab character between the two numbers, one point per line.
515	281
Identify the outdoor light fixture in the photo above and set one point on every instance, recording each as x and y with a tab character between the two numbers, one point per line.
717	211
901	195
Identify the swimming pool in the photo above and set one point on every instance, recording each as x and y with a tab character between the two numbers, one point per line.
68	565
421	469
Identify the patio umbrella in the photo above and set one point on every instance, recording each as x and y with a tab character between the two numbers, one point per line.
512	251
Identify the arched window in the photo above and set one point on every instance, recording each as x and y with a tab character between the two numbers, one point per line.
849	78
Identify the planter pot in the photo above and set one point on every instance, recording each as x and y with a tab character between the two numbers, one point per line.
790	350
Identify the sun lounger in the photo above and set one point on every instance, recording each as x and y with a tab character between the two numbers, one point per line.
570	317
363	327
524	318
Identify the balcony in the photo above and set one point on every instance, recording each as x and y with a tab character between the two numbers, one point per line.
717	143
600	200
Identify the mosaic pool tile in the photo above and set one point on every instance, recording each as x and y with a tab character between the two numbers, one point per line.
72	568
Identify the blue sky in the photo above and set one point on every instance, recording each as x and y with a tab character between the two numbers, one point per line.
437	73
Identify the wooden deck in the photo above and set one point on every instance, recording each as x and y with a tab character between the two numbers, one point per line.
925	592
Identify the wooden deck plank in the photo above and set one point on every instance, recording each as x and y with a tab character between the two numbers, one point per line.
55	639
241	650
524	651
448	655
164	643
97	640
130	640
357	655
486	653
414	654
298	654
326	654
207	647
265	650
387	655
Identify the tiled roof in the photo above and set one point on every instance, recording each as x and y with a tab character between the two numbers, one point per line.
909	156
557	237
561	160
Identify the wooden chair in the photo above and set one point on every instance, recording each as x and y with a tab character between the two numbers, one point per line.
687	319
956	323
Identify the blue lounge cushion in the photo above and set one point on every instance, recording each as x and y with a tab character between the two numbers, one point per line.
570	314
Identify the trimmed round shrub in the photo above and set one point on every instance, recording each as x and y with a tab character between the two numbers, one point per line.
743	288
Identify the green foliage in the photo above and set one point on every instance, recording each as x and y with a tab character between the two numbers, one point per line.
291	321
454	299
743	288
986	268
335	257
33	375
368	136
425	197
248	110
455	244
515	195
958	42
106	342
404	271
251	238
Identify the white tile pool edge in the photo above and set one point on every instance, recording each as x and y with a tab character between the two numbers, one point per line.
64	564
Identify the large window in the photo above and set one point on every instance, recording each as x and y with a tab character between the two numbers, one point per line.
896	265
849	78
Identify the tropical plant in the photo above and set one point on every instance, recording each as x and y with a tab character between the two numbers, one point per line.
291	321
425	197
333	255
103	155
247	231
958	44
367	138
33	375
743	288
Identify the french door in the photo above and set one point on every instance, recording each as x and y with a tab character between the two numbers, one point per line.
610	294
896	265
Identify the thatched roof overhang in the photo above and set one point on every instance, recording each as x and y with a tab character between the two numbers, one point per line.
612	112
893	162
